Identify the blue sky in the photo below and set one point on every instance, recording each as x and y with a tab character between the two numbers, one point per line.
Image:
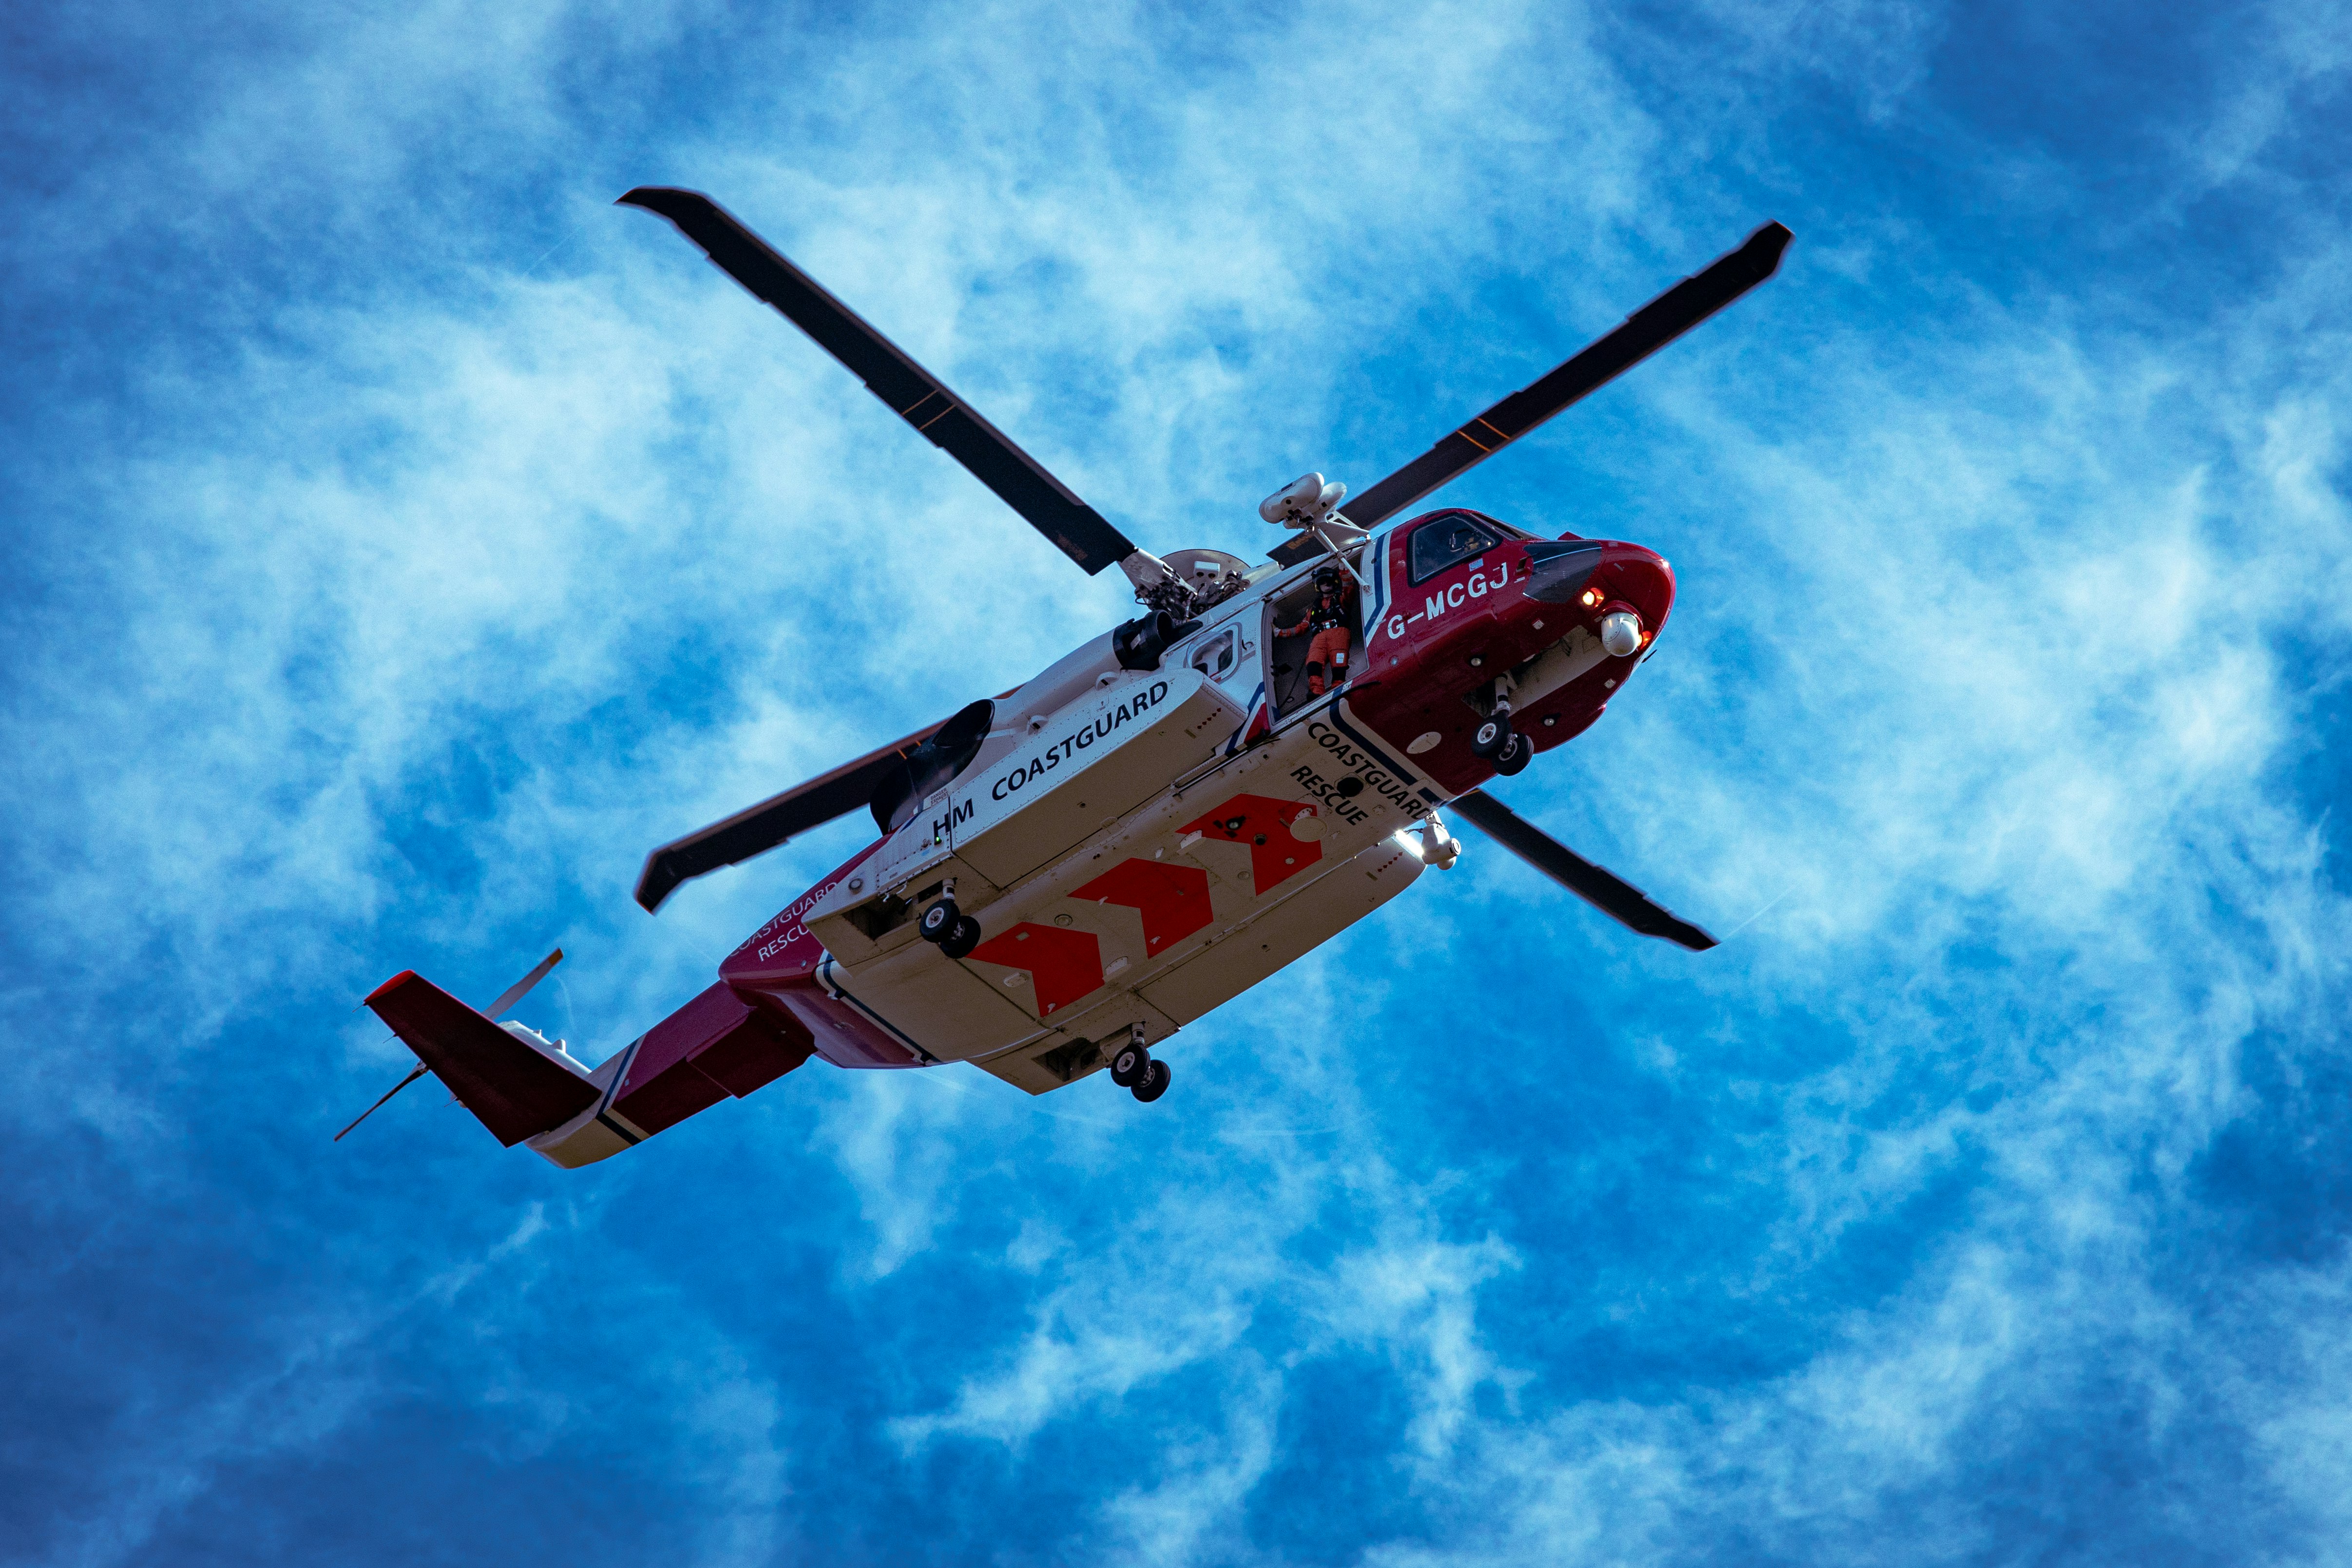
401	541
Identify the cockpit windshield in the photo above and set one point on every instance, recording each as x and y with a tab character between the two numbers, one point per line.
1443	541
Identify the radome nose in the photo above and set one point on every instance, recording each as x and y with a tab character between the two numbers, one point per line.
1639	579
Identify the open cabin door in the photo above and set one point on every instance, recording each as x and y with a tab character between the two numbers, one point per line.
1293	663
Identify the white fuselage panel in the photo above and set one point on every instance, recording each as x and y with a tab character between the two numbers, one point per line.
1130	863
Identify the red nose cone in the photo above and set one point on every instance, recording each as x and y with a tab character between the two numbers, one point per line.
1631	577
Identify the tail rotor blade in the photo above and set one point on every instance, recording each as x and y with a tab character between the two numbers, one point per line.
1644	334
380	1104
914	394
508	998
1604	890
514	992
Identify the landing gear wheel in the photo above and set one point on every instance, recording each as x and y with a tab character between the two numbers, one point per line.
961	938
1515	756
938	919
1129	1068
1155	1081
1490	737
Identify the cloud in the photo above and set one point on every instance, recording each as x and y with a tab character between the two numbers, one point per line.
408	541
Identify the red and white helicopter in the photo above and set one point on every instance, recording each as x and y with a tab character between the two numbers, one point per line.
1070	873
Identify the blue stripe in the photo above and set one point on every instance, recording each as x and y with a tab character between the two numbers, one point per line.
620	1077
1255	698
1405	774
1380	590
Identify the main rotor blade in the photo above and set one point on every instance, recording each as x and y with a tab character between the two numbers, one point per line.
913	392
1604	890
1644	334
776	820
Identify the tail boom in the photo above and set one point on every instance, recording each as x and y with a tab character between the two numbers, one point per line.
717	1046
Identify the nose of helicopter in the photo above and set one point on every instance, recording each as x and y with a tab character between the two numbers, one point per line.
1628	597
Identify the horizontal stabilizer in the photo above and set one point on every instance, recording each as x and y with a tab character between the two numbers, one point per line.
780	818
515	1091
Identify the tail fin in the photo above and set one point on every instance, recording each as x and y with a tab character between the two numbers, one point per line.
515	1091
717	1045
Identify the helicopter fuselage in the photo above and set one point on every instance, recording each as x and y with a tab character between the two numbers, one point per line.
1141	845
1077	870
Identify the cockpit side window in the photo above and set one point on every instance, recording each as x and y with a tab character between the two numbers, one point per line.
1444	540
1216	656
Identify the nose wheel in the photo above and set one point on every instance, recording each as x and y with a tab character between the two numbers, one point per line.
1496	740
1491	738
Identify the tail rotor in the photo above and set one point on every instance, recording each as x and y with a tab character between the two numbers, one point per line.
506	998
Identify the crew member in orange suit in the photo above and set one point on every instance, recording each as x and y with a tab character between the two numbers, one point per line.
1329	615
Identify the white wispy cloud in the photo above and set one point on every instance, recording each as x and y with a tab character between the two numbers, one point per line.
389	621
